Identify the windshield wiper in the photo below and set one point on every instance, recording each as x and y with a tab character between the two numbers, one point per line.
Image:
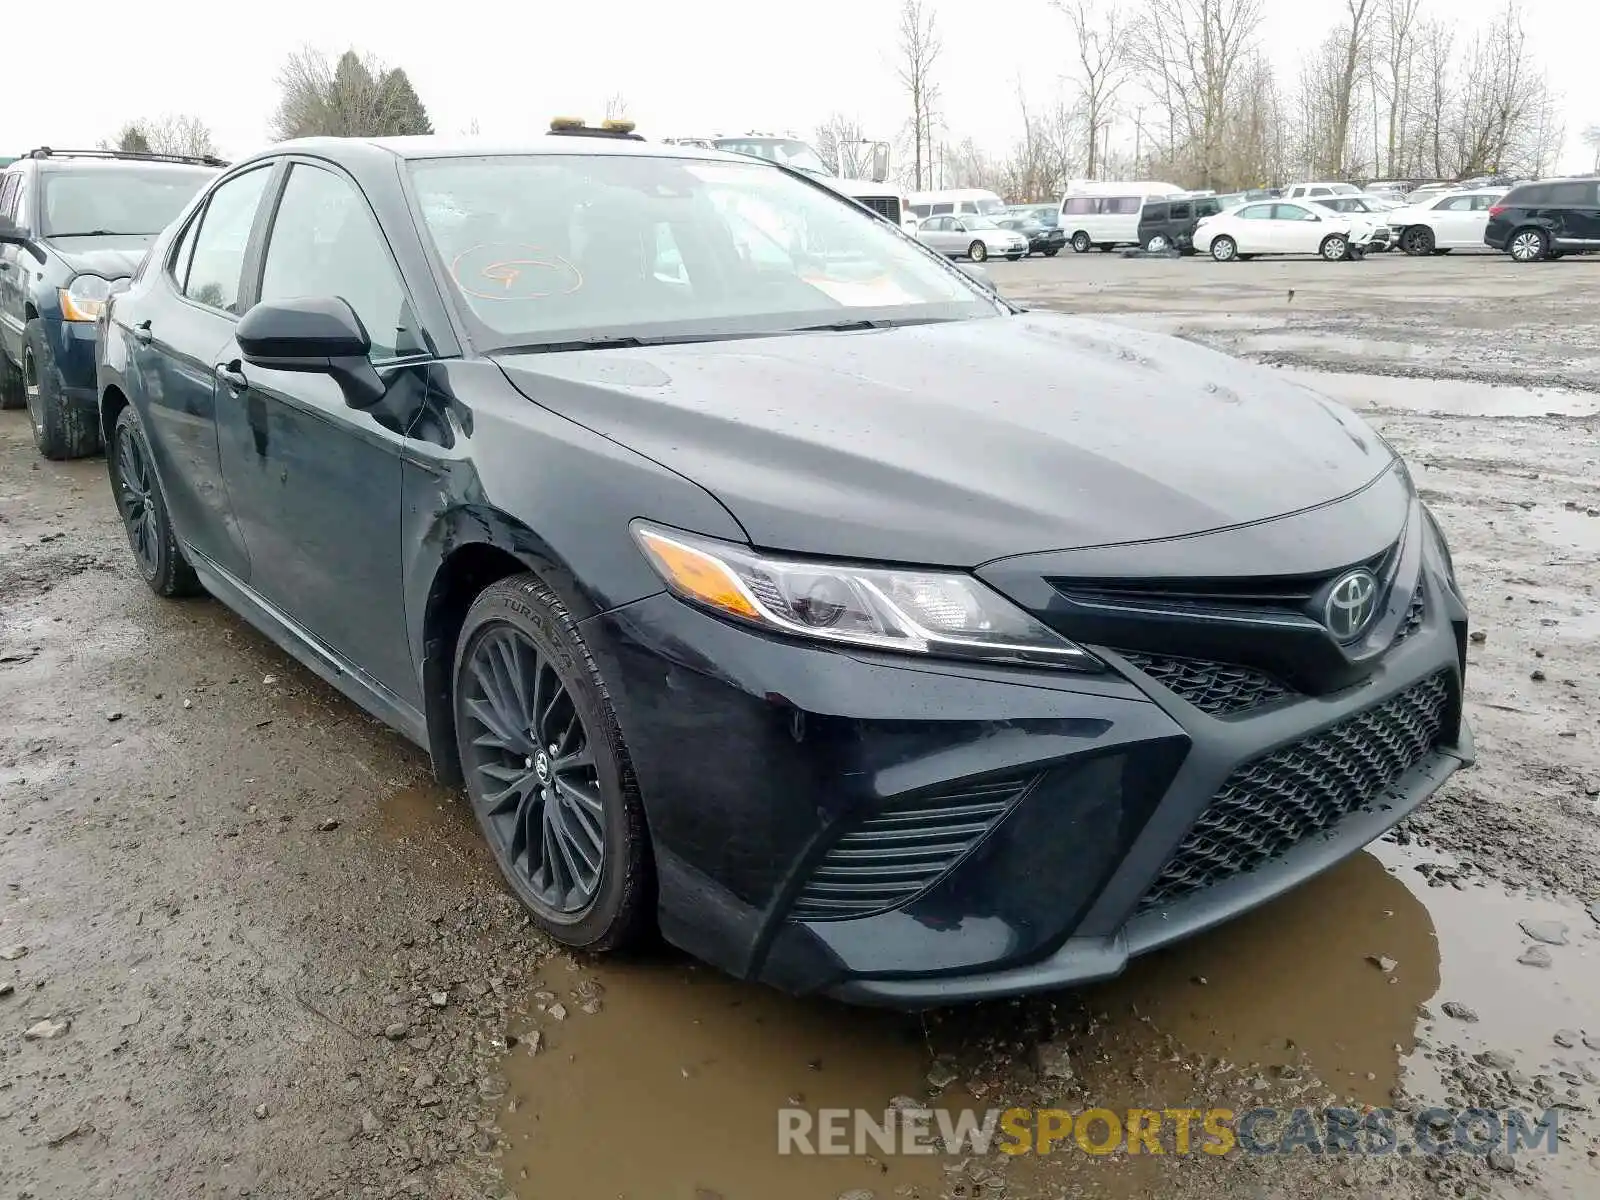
95	233
847	326
622	342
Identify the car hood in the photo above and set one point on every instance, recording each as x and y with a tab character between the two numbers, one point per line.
114	257
964	441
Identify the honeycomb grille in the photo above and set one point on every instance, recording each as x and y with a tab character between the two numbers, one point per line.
903	849
1216	688
1414	615
1271	804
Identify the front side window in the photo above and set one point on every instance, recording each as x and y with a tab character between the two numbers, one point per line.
1455	204
127	200
217	259
325	242
556	247
1292	212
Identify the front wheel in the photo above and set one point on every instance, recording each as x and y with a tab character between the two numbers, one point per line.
1529	245
1417	240
1224	249
1052	252
1335	247
143	509
1081	242
546	768
1156	244
977	252
62	428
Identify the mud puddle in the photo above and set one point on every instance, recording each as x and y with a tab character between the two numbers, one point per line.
664	1080
1445	396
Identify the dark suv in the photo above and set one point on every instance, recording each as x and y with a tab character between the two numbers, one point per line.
1546	220
72	223
1169	224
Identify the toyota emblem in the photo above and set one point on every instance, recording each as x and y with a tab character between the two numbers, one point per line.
1351	604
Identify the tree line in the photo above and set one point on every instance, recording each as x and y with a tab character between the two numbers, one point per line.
1391	91
354	95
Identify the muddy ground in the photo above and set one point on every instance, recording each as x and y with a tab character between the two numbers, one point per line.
277	962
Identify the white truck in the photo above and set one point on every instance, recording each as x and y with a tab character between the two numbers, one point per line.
861	174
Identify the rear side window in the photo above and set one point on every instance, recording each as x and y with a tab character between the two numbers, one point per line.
1576	193
1528	197
941	208
216	261
1123	204
1181	212
1155	212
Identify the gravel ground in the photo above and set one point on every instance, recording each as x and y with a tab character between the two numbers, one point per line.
275	959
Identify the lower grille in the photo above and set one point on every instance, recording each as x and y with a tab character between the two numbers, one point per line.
884	206
903	849
1216	688
1268	806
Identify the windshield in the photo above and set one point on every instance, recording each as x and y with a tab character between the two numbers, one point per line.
786	151
125	200
549	248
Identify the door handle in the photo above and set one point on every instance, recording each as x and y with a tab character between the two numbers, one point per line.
232	377
142	333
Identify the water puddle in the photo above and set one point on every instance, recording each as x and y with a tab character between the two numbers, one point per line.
1570	529
659	1079
1454	397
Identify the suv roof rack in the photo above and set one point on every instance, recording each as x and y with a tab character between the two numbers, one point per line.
612	128
198	160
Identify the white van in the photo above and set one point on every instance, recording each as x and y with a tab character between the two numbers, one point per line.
956	202
1107	214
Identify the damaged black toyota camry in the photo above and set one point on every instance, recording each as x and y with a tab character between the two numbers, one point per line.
766	580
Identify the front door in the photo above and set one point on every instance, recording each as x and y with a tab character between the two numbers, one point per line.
14	262
1295	229
317	483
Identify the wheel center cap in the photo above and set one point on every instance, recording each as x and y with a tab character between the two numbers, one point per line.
541	766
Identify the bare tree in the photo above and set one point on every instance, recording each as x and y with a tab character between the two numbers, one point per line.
1395	70
180	134
835	140
616	107
1191	53
919	52
1434	96
1104	64
1591	139
131	139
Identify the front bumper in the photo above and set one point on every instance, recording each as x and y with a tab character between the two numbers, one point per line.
800	800
1054	240
72	345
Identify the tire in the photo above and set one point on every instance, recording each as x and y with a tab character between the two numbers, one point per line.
61	429
1528	245
1417	241
519	651
1052	252
1105	247
1335	247
978	252
1157	244
1014	257
143	509
1081	242
13	393
1224	248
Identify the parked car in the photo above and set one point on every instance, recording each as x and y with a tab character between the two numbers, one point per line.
1170	224
1279	227
1443	222
1108	216
869	635
1041	238
974	237
1048	215
1377	208
1538	221
73	223
1319	191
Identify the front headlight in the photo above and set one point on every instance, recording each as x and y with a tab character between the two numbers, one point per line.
84	298
938	613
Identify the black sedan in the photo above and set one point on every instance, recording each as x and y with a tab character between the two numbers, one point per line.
766	579
1042	238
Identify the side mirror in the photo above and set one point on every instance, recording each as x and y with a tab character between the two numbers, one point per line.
12	235
320	335
880	162
978	274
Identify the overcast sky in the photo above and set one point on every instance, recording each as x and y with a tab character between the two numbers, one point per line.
692	67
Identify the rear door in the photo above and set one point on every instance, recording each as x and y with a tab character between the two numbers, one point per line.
1573	213
315	482
12	271
1253	233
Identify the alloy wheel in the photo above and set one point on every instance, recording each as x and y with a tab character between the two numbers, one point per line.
30	390
1081	243
1527	246
135	487
1335	248
531	770
1223	249
1156	244
977	252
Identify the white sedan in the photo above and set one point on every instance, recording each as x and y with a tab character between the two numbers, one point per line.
1279	227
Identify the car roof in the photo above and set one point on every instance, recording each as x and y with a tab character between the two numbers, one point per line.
425	146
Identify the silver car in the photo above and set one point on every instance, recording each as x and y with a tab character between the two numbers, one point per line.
973	237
